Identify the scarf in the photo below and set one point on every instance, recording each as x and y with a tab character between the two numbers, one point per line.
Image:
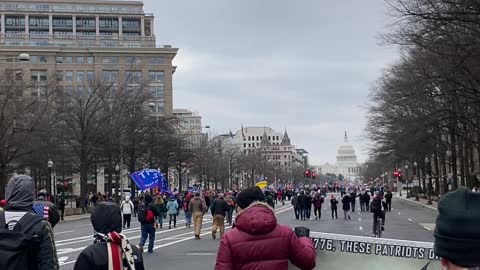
120	253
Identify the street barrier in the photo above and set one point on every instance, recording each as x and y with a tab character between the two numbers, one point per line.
339	251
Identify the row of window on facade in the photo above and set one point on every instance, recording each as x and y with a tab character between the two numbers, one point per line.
67	22
133	60
259	138
71	8
89	76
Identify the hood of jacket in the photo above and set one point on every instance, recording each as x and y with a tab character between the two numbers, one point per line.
256	219
106	217
20	193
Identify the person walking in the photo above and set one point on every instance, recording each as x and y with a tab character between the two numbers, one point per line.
333	206
26	239
106	219
198	208
388	199
186	209
46	209
146	216
219	211
162	209
366	200
172	211
308	205
353	198
346	201
136	203
61	207
127	209
361	198
317	205
301	201
296	207
256	226
231	207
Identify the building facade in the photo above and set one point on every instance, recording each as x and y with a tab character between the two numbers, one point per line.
346	163
190	125
77	42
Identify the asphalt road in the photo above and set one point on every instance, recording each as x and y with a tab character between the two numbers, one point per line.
175	248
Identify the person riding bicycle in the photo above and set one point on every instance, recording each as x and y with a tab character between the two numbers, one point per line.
378	207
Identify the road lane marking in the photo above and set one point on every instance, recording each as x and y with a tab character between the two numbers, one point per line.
410	220
361	228
428	226
201	254
63	232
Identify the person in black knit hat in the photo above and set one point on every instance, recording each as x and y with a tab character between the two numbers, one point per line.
457	230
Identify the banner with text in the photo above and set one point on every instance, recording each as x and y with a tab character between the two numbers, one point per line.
149	178
338	251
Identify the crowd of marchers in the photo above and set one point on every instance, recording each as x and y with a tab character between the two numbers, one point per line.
256	240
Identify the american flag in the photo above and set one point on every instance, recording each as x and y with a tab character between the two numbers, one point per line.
41	210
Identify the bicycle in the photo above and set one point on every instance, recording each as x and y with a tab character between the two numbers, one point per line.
378	228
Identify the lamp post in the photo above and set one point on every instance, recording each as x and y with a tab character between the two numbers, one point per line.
415	164
117	170
49	180
23	57
406	176
429	186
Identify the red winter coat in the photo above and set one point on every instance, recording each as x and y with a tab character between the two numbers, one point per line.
258	242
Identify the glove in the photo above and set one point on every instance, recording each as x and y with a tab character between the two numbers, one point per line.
302	231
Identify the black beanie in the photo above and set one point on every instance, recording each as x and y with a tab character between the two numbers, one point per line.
457	229
106	217
248	196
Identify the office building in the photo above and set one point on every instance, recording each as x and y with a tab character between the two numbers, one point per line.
77	42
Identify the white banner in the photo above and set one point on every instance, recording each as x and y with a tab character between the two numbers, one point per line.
339	251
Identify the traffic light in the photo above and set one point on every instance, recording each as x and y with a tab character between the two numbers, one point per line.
307	173
313	175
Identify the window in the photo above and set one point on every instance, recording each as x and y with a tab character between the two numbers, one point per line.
244	145
59	76
39	75
156	60
156	76
269	138
110	75
249	138
14	74
39	22
69	60
38	59
257	138
90	59
59	60
133	60
80	59
80	76
158	92
69	76
133	76
160	107
90	76
110	60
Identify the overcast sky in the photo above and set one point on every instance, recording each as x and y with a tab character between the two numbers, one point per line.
302	65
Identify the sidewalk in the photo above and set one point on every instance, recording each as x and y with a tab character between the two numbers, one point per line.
421	202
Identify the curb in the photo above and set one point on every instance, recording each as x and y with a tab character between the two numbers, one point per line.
418	203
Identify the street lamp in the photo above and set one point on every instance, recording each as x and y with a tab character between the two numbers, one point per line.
406	176
49	182
117	170
429	185
415	164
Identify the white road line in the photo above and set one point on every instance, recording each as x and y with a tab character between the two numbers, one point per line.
410	220
63	232
399	213
361	228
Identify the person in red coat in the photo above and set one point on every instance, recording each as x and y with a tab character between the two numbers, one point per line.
259	242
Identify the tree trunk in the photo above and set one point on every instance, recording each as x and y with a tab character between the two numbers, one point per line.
454	156
3	180
437	170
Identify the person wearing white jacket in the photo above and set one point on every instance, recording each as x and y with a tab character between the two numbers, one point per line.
127	210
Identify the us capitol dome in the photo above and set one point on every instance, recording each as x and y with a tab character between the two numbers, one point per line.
346	164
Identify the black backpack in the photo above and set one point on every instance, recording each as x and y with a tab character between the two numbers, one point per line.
16	245
142	213
375	206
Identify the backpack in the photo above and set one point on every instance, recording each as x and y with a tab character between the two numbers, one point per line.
145	214
16	245
375	206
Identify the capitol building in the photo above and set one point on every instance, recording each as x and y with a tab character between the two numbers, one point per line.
346	165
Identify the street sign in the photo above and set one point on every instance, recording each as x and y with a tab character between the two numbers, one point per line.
416	182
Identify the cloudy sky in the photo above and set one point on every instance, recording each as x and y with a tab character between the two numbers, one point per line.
303	65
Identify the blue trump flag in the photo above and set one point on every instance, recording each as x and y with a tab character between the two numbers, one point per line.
149	178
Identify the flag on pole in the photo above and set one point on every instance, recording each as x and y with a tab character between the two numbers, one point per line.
262	184
149	178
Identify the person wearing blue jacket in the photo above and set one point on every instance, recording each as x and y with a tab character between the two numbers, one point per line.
172	211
